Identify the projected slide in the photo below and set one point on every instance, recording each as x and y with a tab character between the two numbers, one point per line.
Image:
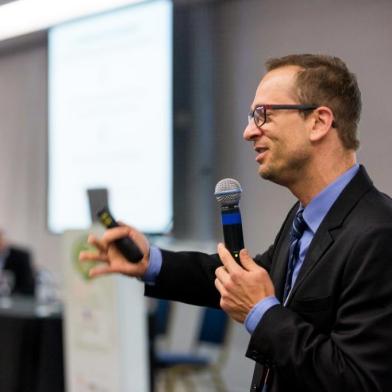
110	117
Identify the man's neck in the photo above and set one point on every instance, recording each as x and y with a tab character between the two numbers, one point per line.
319	177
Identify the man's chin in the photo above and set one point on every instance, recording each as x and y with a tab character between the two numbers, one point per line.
268	174
264	172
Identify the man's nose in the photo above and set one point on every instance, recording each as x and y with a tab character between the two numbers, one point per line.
251	131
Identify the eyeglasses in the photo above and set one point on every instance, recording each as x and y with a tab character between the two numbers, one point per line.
259	114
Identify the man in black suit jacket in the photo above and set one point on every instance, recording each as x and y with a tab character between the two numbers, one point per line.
319	305
18	262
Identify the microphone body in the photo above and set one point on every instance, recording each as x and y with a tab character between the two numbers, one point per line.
232	230
228	193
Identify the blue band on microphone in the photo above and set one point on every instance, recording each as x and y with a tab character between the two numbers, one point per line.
231	219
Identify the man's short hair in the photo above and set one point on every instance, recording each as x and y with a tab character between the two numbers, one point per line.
326	81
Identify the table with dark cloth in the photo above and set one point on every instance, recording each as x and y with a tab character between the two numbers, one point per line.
31	348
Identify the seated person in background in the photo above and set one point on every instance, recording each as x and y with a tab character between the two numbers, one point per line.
18	262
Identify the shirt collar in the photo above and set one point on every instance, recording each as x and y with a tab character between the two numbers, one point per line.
317	209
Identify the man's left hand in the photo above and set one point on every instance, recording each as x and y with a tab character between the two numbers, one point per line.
241	287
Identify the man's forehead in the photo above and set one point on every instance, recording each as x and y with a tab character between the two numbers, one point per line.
277	84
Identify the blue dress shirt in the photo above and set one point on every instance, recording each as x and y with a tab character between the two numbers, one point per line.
154	266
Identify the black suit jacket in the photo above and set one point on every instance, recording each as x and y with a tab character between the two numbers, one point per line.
335	334
18	262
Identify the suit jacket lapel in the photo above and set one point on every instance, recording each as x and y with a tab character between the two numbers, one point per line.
331	224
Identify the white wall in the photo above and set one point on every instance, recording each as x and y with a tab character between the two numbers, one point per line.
23	123
247	32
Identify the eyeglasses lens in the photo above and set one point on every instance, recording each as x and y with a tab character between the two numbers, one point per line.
259	116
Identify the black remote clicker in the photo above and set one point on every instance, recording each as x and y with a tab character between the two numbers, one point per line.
125	245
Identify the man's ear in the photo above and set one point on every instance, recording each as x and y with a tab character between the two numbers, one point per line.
322	123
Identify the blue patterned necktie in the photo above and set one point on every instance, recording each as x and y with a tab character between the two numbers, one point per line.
299	226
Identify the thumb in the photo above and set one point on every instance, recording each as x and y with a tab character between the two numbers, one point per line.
246	261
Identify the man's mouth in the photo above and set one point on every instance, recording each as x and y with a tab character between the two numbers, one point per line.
260	153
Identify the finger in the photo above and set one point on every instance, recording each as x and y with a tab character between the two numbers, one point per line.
246	261
100	270
219	286
114	234
222	275
92	256
93	240
227	259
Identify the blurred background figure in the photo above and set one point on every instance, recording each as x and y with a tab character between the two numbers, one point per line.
17	261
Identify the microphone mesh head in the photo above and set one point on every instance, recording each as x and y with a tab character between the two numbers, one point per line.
228	192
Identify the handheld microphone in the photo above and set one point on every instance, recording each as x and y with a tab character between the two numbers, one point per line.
125	245
228	193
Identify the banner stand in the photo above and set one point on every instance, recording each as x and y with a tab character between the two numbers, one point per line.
105	329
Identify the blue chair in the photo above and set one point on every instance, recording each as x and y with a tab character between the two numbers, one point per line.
212	332
162	315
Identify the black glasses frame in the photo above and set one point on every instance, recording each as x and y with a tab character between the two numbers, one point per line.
259	113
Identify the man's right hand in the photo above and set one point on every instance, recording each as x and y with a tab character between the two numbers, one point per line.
108	253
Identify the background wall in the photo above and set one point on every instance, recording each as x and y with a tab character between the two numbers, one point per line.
23	150
243	34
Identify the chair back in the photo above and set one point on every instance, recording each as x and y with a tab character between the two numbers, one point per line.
213	327
161	317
